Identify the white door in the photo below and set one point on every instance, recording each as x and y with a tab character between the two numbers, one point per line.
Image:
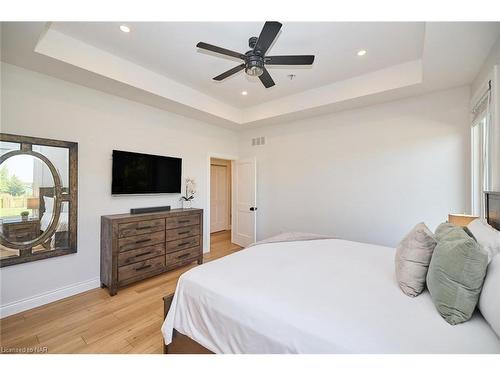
219	204
245	202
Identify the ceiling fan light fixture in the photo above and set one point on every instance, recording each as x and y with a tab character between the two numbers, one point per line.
254	66
254	71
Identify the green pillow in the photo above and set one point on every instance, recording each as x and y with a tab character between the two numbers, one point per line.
456	273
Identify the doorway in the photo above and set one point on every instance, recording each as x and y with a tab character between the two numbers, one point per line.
231	215
220	198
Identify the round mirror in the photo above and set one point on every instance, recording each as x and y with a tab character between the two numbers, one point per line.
29	199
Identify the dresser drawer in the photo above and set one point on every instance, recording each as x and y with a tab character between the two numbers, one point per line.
21	236
139	269
182	244
143	240
21	232
183	221
133	256
140	227
182	232
180	256
22	226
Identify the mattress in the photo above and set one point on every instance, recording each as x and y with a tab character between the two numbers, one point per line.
321	296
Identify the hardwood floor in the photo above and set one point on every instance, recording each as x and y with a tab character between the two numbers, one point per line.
94	322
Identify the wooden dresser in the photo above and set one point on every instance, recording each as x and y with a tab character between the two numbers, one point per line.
135	247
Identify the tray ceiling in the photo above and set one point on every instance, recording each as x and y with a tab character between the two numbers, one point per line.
158	63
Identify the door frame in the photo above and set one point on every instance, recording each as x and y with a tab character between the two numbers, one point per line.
232	158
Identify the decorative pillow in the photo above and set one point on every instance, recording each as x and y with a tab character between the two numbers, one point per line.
413	256
456	273
489	302
487	236
444	229
49	204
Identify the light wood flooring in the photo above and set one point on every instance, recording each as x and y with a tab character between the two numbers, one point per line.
94	322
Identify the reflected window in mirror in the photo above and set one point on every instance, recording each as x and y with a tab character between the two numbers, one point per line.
38	198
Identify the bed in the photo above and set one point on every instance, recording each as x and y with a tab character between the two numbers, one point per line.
45	216
339	297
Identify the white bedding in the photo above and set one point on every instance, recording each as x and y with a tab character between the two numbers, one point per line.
321	296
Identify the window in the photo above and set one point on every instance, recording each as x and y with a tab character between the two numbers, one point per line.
480	154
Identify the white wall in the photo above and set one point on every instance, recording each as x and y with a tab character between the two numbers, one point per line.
39	105
490	71
368	174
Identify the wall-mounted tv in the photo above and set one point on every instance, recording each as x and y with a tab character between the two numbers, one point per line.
135	173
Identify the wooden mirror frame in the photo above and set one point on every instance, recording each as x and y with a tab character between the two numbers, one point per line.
69	195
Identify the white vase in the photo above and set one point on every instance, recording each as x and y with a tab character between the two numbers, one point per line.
187	204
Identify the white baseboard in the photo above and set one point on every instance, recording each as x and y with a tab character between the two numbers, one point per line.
44	298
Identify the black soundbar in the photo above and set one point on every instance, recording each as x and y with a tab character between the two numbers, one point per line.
145	210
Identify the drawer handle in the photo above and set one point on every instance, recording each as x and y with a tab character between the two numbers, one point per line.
142	254
146	227
186	232
183	256
184	221
183	243
142	241
142	268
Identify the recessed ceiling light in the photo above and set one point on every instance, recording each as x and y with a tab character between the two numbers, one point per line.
244	93
362	52
125	29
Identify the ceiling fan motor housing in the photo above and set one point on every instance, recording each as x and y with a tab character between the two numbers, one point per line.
252	42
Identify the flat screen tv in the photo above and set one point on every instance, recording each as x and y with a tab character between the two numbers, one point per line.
135	173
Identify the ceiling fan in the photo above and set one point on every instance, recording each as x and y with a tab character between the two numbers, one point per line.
256	59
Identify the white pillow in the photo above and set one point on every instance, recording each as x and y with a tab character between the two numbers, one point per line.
489	301
49	204
486	236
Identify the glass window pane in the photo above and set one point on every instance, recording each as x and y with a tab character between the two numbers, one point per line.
480	169
476	168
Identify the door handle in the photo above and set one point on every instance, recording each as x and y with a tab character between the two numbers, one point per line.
253	208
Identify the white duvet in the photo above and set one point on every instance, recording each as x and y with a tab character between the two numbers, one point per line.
321	296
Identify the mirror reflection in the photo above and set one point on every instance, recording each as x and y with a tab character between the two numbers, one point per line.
8	147
59	157
27	202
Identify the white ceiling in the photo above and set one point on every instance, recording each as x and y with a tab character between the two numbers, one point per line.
158	63
170	49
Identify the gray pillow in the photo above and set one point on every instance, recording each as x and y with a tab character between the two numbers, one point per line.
456	273
413	256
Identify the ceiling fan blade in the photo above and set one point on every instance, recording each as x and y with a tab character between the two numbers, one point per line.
266	79
267	36
290	60
220	50
230	72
